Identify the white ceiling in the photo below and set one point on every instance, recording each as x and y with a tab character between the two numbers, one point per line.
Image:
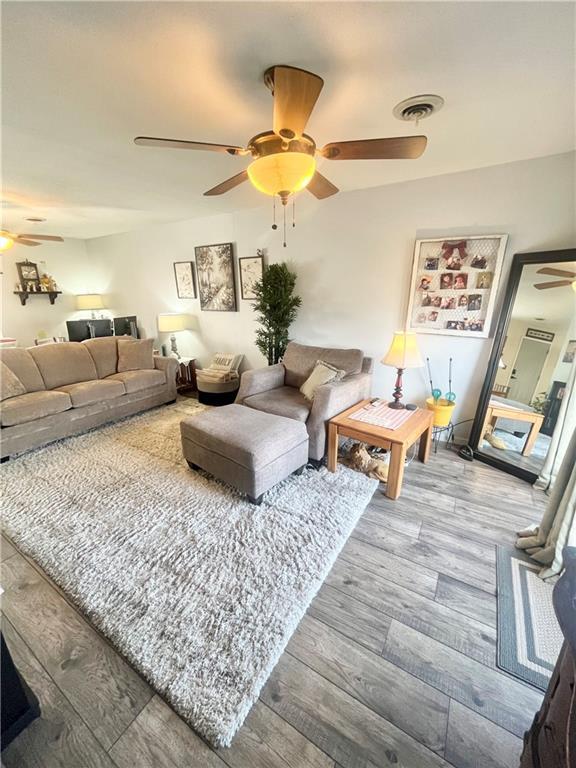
554	305
81	79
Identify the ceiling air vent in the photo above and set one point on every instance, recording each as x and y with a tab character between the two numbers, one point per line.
418	107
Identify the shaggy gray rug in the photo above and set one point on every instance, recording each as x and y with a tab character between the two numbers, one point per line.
199	589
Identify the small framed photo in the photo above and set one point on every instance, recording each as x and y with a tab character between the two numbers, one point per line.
251	271
28	272
570	352
458	276
185	282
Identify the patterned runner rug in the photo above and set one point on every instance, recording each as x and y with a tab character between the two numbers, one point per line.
529	638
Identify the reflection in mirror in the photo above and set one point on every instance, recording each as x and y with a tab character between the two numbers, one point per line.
533	369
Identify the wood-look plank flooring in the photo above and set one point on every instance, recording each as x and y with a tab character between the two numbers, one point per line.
393	665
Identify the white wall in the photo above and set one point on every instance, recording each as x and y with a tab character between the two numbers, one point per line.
74	271
353	257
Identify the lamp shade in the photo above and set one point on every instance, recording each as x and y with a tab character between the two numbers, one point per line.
174	321
89	301
282	172
403	352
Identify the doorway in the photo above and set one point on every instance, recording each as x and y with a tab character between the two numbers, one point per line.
527	369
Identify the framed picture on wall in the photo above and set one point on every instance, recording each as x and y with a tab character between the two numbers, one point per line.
570	352
216	284
185	283
251	271
458	276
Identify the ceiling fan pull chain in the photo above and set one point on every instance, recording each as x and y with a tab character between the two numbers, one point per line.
284	226
293	211
274	225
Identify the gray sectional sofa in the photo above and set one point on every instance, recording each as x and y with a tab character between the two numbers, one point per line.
57	390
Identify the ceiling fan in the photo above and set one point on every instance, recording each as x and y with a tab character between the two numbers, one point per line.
284	159
569	278
8	239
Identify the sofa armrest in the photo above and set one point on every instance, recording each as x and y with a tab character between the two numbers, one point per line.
329	401
167	364
260	380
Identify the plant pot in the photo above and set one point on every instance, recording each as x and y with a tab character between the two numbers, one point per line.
442	410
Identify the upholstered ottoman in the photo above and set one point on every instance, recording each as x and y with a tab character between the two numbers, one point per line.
248	449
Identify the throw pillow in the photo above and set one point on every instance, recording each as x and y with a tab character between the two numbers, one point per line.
323	373
135	354
10	384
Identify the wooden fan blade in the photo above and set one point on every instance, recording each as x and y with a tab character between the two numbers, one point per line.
321	187
553	284
55	238
556	272
395	148
295	94
229	184
20	241
151	141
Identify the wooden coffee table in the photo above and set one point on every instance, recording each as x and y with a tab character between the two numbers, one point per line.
497	411
397	441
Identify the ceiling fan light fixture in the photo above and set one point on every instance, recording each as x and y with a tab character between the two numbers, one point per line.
6	242
282	172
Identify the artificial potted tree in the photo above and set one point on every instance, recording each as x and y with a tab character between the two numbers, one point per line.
277	307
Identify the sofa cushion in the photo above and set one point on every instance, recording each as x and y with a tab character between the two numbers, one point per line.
10	384
134	381
66	363
104	352
299	361
135	354
22	365
32	406
245	436
283	401
88	392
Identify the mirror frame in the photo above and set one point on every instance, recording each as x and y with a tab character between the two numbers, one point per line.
519	261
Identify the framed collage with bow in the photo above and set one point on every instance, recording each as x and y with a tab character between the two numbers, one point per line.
454	284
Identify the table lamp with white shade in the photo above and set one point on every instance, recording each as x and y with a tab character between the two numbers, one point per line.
403	353
173	322
89	302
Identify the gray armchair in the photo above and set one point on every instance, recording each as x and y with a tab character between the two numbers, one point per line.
277	389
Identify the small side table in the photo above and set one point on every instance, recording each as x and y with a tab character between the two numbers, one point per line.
186	376
397	441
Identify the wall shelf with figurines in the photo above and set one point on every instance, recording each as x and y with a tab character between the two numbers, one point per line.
25	294
32	284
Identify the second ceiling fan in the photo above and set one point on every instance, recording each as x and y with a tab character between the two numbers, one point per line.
284	159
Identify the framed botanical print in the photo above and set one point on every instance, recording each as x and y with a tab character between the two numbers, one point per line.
185	283
251	271
216	283
454	283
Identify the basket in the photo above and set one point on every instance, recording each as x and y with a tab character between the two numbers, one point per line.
442	410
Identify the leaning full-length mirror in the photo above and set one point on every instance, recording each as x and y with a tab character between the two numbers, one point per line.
533	354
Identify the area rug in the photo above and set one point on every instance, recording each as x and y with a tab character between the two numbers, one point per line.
529	637
197	588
